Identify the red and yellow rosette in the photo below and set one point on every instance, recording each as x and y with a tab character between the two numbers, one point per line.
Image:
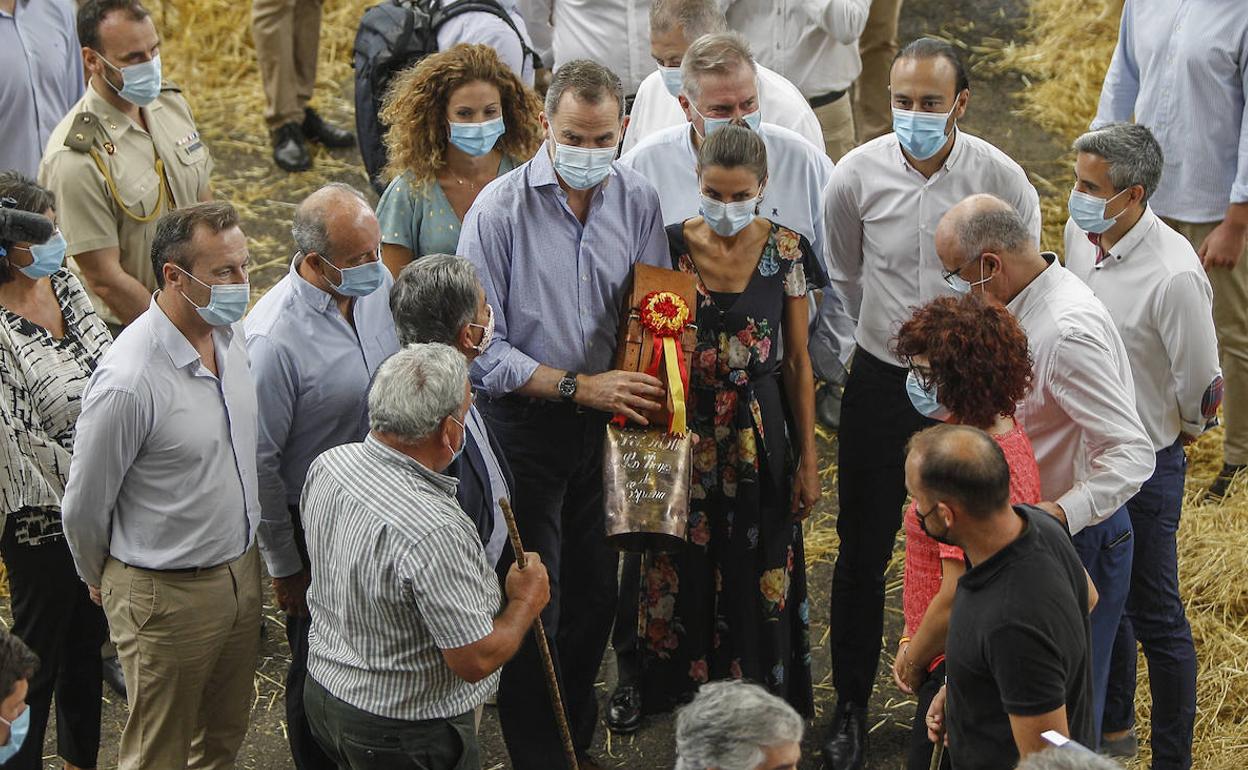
665	314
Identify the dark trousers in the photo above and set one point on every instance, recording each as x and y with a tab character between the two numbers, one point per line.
555	452
1106	550
624	636
1155	617
55	617
306	752
358	740
919	754
877	419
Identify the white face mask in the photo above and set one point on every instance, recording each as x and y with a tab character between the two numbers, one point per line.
487	331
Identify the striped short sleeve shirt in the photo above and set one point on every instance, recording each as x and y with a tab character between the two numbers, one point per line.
398	574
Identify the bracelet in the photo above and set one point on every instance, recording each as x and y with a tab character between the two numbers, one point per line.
903	640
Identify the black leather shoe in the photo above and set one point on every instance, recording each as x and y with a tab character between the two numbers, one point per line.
113	677
828	405
624	711
317	130
846	747
290	153
1222	484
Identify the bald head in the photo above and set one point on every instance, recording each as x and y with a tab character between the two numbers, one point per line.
981	223
961	466
335	222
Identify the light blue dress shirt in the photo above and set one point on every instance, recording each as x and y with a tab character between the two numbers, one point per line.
312	372
1181	68
556	285
164	468
42	65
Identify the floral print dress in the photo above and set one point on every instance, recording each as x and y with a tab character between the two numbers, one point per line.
733	602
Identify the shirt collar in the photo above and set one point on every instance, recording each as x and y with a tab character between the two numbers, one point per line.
1038	289
114	119
980	575
1140	231
390	456
318	300
954	154
179	349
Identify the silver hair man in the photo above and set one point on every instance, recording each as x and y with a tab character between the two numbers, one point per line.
433	299
733	725
722	53
1133	155
310	230
694	18
415	390
999	231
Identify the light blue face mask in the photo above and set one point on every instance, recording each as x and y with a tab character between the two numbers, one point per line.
1088	211
710	125
924	400
583	167
140	83
727	218
477	139
47	257
226	303
672	80
18	729
962	286
921	134
358	281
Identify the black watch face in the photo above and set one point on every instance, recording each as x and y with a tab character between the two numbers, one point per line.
567	387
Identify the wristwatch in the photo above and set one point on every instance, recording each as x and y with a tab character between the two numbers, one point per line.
567	386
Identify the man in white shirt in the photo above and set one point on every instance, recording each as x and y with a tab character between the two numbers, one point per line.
1080	413
510	41
613	33
883	203
674	25
814	45
1154	286
161	507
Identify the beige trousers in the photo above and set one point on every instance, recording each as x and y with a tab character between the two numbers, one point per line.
287	34
1230	317
877	46
187	644
837	121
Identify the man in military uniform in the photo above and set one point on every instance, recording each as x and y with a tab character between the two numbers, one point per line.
126	153
287	34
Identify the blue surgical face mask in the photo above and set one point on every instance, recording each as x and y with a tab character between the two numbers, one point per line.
583	167
359	281
671	79
48	257
711	125
727	219
1088	211
924	399
140	83
477	139
226	303
921	134
961	286
17	734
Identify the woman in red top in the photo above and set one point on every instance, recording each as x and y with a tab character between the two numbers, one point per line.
969	364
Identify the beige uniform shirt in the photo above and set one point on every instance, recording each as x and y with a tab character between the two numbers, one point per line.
91	216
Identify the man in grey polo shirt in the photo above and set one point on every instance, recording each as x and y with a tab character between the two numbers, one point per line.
407	637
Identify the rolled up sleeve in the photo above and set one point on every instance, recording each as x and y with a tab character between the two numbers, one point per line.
1185	323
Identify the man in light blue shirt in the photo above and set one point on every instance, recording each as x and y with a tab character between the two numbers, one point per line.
1180	68
161	506
315	341
42	65
554	243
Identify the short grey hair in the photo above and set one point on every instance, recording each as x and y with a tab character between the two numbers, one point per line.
587	81
720	53
310	231
1067	759
1000	231
1133	155
416	389
433	298
729	725
694	17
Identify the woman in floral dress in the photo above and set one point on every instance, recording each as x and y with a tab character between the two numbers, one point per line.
733	602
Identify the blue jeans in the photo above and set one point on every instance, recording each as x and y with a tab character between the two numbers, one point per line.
1155	617
1106	550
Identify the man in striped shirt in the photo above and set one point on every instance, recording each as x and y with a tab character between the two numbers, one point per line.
407	634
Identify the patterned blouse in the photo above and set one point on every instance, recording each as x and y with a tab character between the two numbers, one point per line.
41	384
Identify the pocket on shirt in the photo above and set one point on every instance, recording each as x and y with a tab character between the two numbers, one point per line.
139	190
144	595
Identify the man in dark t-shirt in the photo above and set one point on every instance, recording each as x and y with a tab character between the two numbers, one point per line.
1017	652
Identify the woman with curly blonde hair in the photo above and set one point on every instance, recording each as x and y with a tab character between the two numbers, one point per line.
457	120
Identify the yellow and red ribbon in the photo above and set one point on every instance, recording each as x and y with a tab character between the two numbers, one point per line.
665	314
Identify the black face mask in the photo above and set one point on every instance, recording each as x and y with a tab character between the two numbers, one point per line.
942	538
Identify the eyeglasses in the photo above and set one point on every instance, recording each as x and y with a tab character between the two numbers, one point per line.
949	275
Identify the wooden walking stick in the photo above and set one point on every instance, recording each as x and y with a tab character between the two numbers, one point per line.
938	750
543	646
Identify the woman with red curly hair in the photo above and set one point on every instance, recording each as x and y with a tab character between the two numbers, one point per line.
969	364
457	120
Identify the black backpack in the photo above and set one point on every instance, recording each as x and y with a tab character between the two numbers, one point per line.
392	36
